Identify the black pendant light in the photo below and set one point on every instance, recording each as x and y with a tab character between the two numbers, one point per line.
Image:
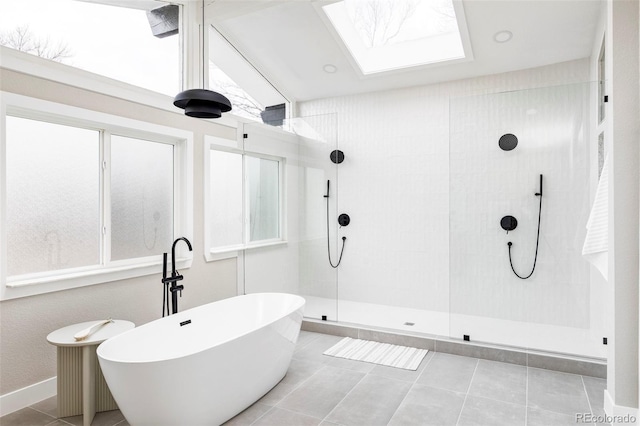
202	103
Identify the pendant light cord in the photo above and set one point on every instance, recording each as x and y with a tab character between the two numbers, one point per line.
203	47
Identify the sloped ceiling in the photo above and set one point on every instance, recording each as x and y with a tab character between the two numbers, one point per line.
290	42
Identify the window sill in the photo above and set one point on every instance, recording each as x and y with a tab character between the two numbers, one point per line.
34	284
232	251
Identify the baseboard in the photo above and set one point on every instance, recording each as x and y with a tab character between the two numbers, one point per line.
22	398
546	360
619	414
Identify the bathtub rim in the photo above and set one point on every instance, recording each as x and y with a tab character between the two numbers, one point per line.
301	302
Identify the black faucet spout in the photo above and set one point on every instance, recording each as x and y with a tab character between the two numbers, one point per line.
175	276
174	272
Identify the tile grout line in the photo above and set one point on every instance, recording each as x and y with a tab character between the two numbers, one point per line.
261	416
411	387
425	367
282	399
546	409
344	397
296	412
481	397
59	420
526	396
42	412
308	343
584	386
401	402
467	392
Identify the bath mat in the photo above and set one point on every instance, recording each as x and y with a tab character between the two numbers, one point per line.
378	353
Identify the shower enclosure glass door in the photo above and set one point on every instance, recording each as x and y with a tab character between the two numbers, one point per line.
427	247
297	261
503	147
318	206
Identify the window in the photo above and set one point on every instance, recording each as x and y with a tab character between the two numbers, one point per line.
141	197
250	93
263	187
601	84
53	196
226	217
100	38
245	199
89	197
384	35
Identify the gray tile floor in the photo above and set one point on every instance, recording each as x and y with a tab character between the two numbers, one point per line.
445	390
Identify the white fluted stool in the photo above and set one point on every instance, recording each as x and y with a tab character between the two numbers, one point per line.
81	385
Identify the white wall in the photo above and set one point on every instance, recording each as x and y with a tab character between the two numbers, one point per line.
25	356
395	185
624	127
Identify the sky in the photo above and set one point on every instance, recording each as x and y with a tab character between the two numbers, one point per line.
112	41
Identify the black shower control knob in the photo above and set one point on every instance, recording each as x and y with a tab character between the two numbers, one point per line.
508	223
337	156
344	219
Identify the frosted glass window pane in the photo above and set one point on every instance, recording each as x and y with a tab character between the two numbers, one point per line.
141	198
226	198
264	198
53	218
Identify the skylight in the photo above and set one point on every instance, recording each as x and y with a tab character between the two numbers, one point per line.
384	35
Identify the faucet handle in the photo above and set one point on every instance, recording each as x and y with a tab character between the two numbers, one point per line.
172	279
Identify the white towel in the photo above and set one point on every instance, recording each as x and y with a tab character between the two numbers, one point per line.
596	243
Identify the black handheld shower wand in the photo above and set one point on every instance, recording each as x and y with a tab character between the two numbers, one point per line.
328	238
535	259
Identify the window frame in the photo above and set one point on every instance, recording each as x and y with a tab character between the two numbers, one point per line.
106	270
190	33
212	143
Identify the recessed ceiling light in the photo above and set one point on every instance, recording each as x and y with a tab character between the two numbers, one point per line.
330	68
502	36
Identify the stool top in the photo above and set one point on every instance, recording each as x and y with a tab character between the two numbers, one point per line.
64	335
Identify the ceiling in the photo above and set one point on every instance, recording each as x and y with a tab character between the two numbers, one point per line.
290	42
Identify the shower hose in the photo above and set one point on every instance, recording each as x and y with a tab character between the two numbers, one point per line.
535	259
344	239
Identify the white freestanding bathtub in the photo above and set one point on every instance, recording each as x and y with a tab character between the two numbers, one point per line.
204	365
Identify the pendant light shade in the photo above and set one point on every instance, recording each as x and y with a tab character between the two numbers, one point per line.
201	103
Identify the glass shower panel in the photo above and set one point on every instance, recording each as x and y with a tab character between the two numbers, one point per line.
393	184
318	194
301	265
503	147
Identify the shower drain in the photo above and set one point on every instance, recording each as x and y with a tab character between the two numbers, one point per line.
410	323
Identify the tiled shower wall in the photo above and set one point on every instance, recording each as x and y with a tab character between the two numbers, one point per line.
395	185
487	183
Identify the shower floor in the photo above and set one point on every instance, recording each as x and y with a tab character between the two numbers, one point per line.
516	334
